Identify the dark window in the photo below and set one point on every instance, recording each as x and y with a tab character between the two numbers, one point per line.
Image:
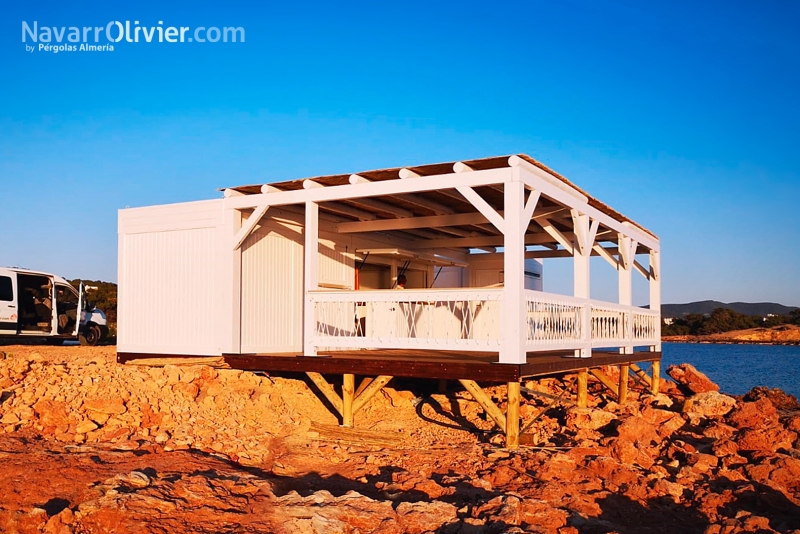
6	291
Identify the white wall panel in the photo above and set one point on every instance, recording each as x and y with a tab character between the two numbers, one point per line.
272	287
168	292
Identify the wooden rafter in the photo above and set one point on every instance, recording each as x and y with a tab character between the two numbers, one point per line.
483	207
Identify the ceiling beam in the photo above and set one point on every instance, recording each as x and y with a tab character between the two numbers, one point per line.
486	241
397	211
433	221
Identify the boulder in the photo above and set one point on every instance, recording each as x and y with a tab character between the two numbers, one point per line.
690	380
757	414
709	404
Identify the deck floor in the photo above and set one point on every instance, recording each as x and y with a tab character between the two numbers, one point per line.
451	365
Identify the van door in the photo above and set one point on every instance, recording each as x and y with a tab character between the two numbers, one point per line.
81	314
8	303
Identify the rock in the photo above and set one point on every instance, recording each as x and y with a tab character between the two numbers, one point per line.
85	427
110	406
766	439
755	414
588	418
709	404
424	516
780	399
690	379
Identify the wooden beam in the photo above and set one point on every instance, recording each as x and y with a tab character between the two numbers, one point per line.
405	174
348	391
267	188
358	179
327	390
423	202
367	380
483	207
459	166
512	415
607	255
530	207
486	403
366	395
583	392
644	272
311	184
485	241
381	206
641	374
432	221
605	380
624	372
655	382
556	234
343	209
230	193
248	226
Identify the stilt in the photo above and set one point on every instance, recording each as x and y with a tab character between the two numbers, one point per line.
655	381
374	386
624	372
486	403
442	386
605	380
327	390
583	381
366	381
348	391
512	416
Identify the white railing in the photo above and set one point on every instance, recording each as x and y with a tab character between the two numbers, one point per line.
470	318
554	322
446	319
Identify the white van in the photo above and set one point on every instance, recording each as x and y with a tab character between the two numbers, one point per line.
45	306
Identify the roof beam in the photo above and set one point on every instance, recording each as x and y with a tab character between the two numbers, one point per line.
381	206
423	202
484	207
433	221
405	174
249	225
556	234
486	241
343	209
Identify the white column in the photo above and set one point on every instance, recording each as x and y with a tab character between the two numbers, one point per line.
625	275
582	253
513	314
655	293
230	274
310	276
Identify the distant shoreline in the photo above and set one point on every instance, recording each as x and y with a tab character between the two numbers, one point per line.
777	335
703	341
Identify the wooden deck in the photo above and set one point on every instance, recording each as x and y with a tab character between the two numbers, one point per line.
446	365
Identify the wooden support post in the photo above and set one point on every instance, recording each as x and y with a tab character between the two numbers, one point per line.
605	380
366	381
583	394
624	372
512	416
327	390
348	391
374	386
486	403
655	381
641	374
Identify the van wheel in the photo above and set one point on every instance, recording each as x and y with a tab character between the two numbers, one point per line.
91	336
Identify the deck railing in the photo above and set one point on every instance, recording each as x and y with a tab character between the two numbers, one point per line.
470	318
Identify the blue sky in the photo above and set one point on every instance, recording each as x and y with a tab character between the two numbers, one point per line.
683	116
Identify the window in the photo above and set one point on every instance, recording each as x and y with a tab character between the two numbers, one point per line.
6	291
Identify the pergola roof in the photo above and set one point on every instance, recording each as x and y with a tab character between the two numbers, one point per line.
445	201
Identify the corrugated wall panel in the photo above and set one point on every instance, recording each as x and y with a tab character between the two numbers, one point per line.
272	288
336	268
168	292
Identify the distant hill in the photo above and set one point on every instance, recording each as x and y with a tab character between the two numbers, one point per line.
761	309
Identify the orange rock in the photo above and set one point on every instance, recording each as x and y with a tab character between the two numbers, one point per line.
690	379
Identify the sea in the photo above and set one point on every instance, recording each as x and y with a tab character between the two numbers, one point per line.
739	368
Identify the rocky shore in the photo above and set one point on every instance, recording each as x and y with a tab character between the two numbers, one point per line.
776	335
88	445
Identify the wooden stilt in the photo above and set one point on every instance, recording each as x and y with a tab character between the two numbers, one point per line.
655	382
486	403
583	394
512	416
605	380
348	391
641	374
624	373
366	381
364	397
327	390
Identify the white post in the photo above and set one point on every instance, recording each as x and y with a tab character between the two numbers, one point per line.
582	253
310	276
513	314
655	293
230	269
625	275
